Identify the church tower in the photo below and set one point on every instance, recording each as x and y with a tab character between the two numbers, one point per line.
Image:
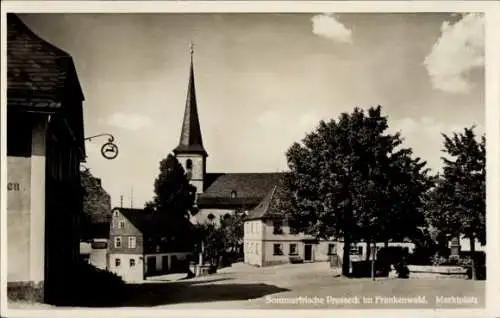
190	151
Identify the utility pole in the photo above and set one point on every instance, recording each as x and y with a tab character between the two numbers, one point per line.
132	197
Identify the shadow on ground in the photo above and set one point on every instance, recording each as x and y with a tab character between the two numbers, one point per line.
156	294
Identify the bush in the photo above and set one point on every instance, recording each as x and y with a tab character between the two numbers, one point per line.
89	286
421	255
26	292
295	259
402	269
466	262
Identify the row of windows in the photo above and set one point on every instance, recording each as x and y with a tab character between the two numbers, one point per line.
252	227
131	242
251	247
292	249
131	262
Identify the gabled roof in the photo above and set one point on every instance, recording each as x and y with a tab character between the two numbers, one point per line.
191	140
261	210
248	188
139	218
39	74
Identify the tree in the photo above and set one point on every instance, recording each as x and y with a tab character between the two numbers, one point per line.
173	202
348	180
457	204
211	240
232	229
96	204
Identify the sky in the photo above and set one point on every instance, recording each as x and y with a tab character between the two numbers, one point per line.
262	82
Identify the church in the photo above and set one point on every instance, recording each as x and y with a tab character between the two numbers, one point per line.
218	194
267	240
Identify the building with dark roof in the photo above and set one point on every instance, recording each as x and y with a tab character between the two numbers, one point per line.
268	240
137	249
218	193
45	146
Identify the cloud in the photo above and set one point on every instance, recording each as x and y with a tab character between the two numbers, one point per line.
129	121
326	25
458	51
423	135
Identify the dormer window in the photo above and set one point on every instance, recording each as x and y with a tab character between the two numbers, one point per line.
233	194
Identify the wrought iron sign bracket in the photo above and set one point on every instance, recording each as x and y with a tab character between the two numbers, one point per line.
109	150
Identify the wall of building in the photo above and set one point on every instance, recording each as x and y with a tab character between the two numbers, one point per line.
127	271
160	265
99	256
26	203
18	218
253	247
128	230
203	215
197	171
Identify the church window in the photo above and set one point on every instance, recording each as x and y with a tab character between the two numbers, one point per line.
189	169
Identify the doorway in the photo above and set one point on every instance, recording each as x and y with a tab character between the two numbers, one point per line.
307	252
151	265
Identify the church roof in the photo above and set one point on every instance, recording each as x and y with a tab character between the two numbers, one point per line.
237	189
38	73
191	140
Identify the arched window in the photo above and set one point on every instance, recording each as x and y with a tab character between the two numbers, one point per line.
227	216
189	169
233	194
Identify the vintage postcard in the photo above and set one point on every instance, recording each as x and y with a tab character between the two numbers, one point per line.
161	156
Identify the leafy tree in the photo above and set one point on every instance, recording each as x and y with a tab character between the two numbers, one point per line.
173	202
457	203
232	229
349	180
211	241
96	204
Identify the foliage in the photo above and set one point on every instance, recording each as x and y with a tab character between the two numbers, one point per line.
350	179
456	205
96	203
232	230
221	239
173	202
211	241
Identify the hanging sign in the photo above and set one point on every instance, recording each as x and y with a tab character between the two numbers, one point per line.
109	150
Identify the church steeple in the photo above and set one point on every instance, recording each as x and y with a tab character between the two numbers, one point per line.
190	140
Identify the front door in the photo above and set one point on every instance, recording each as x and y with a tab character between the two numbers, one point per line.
308	252
151	265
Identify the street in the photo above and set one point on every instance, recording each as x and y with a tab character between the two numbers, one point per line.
301	286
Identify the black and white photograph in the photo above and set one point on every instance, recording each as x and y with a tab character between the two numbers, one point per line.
239	160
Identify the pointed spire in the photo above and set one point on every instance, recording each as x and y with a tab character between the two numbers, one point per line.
191	140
